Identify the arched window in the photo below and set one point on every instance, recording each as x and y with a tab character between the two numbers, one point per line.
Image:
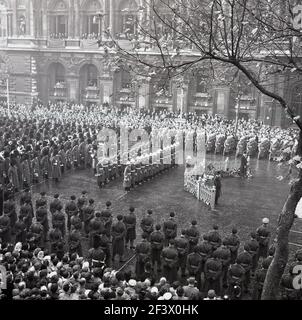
93	15
3	20
59	21
129	19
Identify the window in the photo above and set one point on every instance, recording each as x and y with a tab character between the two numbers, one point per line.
128	19
59	21
297	99
3	20
92	76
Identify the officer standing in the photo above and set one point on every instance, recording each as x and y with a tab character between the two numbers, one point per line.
42	217
130	223
58	220
214	238
233	243
118	231
74	241
5	229
235	280
95	227
70	209
192	235
194	265
182	245
55	203
213	275
170	262
143	251
147	224
254	250
157	239
246	261
263	237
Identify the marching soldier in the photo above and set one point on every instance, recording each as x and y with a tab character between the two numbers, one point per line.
147	224
182	246
170	262
170	229
143	250
245	260
96	227
213	275
118	231
263	237
157	243
74	241
70	209
192	235
130	223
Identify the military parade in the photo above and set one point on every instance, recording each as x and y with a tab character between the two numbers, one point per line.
45	237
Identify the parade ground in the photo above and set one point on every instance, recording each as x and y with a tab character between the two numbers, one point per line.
244	202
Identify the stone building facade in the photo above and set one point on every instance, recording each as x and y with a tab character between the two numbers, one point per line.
50	49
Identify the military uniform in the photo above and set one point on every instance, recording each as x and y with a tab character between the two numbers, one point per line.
76	222
214	239
106	218
233	243
170	230
70	209
104	242
194	264
147	225
246	261
170	263
130	223
74	241
41	215
205	250
118	231
54	204
21	232
26	213
5	229
157	243
254	252
236	275
41	202
263	236
182	247
9	208
97	257
58	221
143	250
288	292
88	213
96	227
213	275
192	235
36	235
260	276
224	255
55	239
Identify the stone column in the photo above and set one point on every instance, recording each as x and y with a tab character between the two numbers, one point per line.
14	18
71	25
77	19
43	87
112	18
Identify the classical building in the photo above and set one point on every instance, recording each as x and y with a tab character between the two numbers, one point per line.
54	50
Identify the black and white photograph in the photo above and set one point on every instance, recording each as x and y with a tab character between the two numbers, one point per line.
150	150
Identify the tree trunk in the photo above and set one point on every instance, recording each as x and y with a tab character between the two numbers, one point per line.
285	222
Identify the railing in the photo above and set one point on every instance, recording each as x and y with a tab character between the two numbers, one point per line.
200	190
